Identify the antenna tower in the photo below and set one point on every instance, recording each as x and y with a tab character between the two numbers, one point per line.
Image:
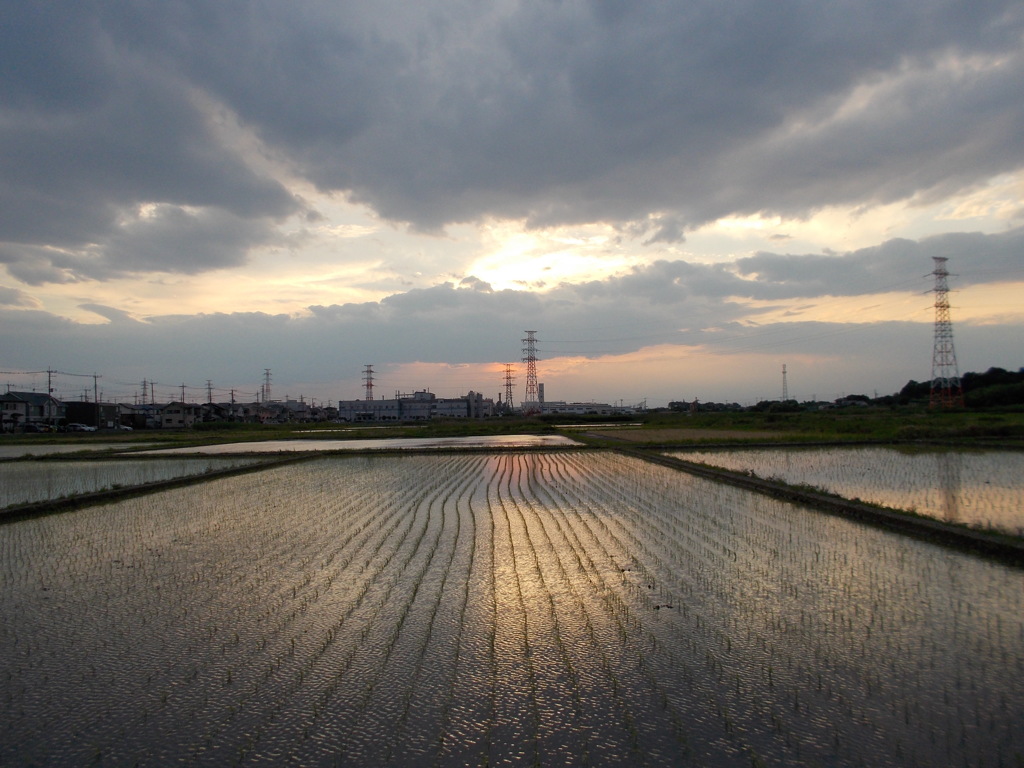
530	403
509	378
946	391
368	375
785	389
266	385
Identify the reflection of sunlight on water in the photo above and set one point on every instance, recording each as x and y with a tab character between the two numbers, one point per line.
552	608
384	443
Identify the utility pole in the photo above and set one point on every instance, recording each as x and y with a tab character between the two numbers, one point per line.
946	391
531	403
266	385
509	378
368	377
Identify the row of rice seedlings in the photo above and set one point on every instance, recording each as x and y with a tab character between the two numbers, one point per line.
284	629
427	707
517	715
868	648
975	487
314	671
297	635
701	655
644	735
306	654
562	735
389	696
293	593
344	680
206	534
466	733
672	711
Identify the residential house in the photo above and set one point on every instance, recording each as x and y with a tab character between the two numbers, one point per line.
19	408
179	415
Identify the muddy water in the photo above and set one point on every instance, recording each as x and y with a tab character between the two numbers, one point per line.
471	609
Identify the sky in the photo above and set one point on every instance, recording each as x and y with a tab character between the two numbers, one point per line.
680	197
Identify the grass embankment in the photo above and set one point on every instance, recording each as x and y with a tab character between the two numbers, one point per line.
848	425
870	424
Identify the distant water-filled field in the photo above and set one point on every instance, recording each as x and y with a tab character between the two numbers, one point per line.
25	482
980	488
537	608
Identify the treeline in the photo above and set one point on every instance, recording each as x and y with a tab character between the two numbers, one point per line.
995	387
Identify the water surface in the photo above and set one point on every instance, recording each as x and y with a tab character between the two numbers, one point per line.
980	488
470	609
385	443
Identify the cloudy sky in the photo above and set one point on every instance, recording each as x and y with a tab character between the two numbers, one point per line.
679	197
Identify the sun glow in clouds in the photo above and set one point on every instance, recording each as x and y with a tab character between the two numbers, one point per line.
518	258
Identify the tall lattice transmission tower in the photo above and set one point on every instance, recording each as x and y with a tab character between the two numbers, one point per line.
266	385
509	378
946	391
368	378
785	387
531	403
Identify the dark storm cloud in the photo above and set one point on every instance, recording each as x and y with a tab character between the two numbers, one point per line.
667	114
90	132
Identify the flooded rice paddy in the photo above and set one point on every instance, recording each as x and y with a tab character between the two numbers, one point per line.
539	608
25	482
48	449
503	442
980	488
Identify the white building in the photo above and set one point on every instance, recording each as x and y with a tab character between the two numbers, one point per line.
419	406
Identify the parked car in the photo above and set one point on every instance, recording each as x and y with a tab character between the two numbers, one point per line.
75	427
36	428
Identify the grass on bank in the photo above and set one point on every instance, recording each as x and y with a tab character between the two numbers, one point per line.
840	425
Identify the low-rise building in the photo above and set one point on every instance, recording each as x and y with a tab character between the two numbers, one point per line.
585	409
419	406
179	415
